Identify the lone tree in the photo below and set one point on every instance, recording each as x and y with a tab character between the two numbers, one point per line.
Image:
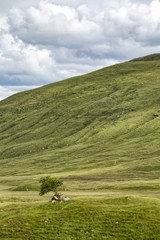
50	184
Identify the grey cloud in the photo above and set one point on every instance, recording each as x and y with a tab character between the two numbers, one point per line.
6	5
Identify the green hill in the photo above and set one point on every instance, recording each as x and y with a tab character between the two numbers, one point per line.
102	125
152	57
99	132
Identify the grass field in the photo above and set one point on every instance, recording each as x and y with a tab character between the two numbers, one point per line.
96	215
100	133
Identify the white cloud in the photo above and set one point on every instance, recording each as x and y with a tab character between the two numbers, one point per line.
78	28
138	22
55	25
21	62
5	92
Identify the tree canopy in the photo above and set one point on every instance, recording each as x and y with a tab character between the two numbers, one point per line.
49	184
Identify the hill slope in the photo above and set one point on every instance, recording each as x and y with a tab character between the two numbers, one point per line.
105	124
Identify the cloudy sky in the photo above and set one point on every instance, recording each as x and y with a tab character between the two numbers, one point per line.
47	41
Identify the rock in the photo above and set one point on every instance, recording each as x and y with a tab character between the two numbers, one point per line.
60	198
44	220
64	198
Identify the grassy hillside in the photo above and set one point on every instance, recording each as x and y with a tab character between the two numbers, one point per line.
99	132
103	125
152	57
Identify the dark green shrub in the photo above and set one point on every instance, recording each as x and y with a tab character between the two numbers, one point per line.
49	184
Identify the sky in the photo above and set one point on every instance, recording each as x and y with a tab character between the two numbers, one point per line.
44	41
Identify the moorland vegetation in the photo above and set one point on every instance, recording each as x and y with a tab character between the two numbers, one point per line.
99	133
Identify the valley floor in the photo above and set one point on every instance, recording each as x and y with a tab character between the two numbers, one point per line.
126	210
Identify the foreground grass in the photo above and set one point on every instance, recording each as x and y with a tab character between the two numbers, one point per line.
86	218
